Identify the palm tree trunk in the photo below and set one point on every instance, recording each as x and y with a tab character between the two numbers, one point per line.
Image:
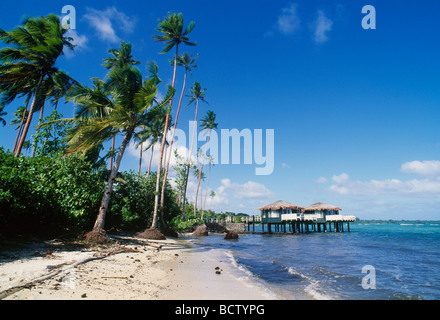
151	160
21	123
199	178
206	192
201	172
34	146
162	195
112	152
29	119
100	220
158	175
140	158
162	148
189	162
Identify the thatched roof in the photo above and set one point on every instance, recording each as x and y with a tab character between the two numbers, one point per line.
321	206
277	205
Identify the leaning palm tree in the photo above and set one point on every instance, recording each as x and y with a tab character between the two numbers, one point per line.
53	88
187	61
173	34
207	124
197	94
119	59
131	100
35	49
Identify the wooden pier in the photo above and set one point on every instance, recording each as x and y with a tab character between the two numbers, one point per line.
299	226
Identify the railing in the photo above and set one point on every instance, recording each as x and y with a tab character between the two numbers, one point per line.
295	217
340	218
314	217
289	216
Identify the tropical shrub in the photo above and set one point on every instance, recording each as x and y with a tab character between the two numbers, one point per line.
47	195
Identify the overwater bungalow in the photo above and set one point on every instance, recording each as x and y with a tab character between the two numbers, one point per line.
319	217
279	211
319	211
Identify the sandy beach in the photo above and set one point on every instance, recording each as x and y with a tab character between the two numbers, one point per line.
132	269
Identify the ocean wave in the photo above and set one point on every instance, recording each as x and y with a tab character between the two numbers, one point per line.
313	288
250	279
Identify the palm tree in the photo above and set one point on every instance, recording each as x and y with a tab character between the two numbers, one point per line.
126	110
212	195
36	47
200	175
152	132
211	163
187	61
120	58
207	123
197	94
54	87
173	35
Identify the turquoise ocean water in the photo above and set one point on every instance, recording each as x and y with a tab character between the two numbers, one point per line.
399	260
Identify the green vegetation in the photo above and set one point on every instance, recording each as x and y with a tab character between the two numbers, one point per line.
70	183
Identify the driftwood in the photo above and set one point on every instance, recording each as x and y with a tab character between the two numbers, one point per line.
138	241
6	293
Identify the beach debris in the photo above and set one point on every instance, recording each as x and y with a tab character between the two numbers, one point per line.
64	268
231	235
201	230
84	295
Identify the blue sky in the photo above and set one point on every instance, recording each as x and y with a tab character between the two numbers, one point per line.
355	111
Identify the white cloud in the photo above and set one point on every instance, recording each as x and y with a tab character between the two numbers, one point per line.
248	190
415	187
322	180
80	41
288	21
424	168
343	177
104	21
321	27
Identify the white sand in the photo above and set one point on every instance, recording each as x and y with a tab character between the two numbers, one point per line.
178	271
